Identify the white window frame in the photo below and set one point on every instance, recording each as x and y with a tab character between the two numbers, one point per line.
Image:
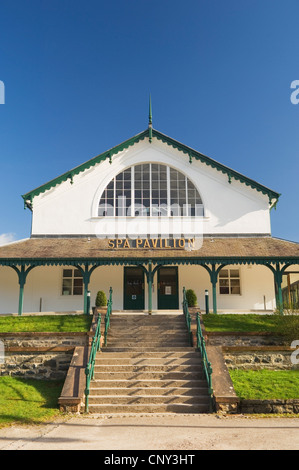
73	269
185	209
229	293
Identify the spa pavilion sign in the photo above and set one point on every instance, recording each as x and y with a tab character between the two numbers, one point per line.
152	243
148	217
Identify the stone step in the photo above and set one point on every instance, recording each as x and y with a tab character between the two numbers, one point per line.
158	325
148	320
146	332
172	339
139	391
179	326
140	349
143	408
147	344
148	366
111	368
169	375
145	361
148	383
147	399
146	317
189	353
135	323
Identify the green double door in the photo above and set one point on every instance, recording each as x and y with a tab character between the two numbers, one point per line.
134	288
168	298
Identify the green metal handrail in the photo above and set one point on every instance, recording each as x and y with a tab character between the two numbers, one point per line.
89	369
187	314
95	347
201	345
108	314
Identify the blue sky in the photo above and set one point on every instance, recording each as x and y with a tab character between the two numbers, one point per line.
78	75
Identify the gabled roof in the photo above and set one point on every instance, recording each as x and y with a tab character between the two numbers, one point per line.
151	133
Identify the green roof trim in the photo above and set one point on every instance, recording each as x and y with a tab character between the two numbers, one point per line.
150	133
273	195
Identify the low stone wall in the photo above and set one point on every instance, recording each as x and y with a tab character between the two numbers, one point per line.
242	339
269	406
49	365
40	355
246	358
248	351
43	340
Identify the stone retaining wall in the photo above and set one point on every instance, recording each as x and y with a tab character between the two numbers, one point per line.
40	355
43	340
37	364
248	351
269	406
242	339
258	358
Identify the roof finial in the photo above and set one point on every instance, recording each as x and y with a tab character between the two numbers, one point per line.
150	120
150	116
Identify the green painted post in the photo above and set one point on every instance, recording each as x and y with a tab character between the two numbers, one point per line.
86	278
21	299
278	280
214	297
214	276
22	281
150	287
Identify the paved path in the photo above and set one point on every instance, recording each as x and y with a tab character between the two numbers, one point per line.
159	432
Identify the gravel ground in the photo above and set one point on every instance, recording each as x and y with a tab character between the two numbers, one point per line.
155	432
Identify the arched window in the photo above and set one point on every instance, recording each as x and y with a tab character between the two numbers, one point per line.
150	189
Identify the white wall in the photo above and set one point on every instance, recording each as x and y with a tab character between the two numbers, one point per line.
72	208
256	282
45	283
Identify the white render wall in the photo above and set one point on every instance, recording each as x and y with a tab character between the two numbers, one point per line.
72	209
46	282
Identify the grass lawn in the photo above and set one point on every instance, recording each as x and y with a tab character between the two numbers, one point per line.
266	384
28	401
243	323
45	323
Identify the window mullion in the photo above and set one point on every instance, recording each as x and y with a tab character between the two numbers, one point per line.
114	196
133	191
186	195
168	190
150	189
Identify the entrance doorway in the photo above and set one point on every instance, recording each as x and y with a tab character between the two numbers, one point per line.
133	289
168	298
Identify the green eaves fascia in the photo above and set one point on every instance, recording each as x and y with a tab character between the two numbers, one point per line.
232	174
28	197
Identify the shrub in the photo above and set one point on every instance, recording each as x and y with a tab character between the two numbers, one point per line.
101	299
288	327
191	298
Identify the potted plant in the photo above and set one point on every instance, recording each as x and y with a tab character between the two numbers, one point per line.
191	298
101	299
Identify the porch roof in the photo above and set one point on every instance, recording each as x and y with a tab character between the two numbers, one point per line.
50	251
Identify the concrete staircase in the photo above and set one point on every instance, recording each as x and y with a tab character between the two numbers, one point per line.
148	366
